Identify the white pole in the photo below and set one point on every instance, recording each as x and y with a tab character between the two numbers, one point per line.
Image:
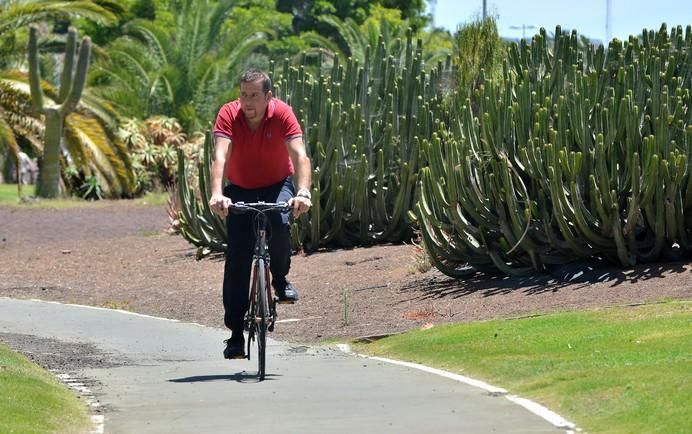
609	25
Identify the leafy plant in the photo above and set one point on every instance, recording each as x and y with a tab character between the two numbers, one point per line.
477	49
91	188
179	69
153	144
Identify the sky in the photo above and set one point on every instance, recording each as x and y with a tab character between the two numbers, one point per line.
588	17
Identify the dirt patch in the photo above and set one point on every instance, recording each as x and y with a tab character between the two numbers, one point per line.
61	356
117	255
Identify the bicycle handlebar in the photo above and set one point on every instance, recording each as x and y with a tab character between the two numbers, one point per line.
243	207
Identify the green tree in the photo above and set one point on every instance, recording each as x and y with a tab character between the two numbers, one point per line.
144	9
181	70
307	13
477	47
16	15
354	38
283	42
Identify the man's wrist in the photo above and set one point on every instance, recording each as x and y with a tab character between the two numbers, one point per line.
304	192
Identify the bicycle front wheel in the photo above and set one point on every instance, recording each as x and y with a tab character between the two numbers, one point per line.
262	316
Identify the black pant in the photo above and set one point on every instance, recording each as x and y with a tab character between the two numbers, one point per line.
241	241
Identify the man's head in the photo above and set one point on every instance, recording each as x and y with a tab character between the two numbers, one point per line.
255	93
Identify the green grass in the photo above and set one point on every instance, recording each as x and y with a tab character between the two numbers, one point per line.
8	193
616	370
8	196
33	401
152	199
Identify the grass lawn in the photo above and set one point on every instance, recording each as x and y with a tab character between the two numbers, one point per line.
33	401
8	193
8	196
616	370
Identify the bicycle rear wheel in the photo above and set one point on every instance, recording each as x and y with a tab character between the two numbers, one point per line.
262	315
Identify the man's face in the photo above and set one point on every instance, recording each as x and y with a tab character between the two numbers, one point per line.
253	101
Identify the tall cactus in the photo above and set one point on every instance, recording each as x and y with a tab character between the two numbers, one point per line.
72	83
198	224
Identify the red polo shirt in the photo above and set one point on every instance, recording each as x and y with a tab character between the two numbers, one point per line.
258	158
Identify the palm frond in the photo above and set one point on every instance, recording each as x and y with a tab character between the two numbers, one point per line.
319	41
349	31
17	113
101	107
92	152
19	14
8	143
156	41
217	18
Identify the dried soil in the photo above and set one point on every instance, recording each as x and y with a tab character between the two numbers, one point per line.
117	255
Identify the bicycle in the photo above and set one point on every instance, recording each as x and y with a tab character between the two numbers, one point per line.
261	314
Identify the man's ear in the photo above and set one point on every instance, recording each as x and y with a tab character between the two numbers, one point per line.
269	95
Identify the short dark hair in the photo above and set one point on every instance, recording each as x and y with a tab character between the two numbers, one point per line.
253	75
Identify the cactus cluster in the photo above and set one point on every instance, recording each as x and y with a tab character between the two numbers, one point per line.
571	154
362	125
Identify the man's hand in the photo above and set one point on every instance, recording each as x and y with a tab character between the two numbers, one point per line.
300	205
219	204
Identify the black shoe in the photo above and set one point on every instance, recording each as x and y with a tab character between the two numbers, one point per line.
235	349
288	295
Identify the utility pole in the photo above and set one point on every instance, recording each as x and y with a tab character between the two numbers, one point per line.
609	25
432	4
485	9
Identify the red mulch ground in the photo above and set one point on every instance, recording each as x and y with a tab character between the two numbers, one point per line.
118	255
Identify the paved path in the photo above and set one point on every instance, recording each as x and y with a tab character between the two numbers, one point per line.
169	377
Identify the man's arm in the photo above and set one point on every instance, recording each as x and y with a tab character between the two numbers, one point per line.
218	202
302	177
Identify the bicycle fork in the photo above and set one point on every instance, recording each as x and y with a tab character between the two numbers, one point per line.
261	252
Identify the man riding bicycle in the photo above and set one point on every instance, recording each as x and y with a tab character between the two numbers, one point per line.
259	149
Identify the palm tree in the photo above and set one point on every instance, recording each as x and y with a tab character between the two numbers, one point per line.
13	117
89	143
356	38
182	70
16	15
89	146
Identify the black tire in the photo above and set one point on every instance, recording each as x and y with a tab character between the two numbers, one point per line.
262	314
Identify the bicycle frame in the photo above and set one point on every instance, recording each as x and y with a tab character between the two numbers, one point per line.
260	264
